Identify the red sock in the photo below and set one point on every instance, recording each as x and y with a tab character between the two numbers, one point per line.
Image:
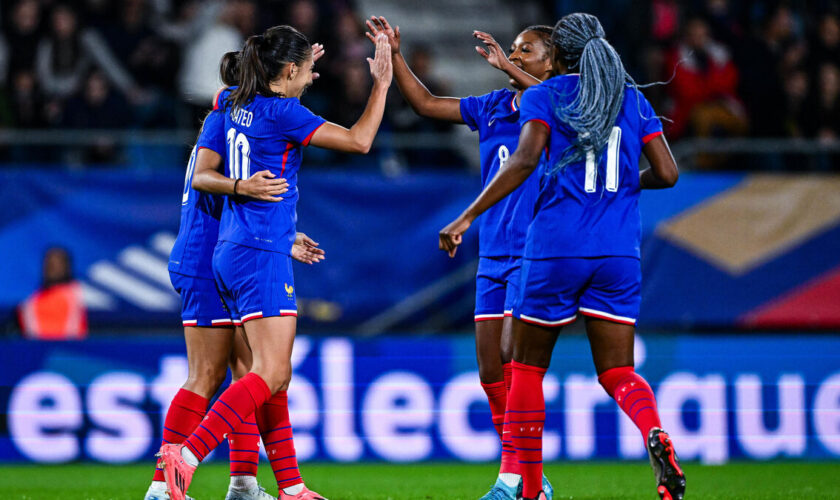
276	431
633	395
526	407
244	443
510	464
497	397
238	401
185	413
507	370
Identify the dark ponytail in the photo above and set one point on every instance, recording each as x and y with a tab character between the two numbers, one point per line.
229	68
579	42
263	58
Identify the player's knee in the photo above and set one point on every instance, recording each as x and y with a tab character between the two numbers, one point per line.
490	375
206	379
278	378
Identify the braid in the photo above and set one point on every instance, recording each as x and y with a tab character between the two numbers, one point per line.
580	44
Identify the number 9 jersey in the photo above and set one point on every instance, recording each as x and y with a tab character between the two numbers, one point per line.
265	134
589	208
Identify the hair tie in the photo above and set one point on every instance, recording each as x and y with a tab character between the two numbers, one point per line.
593	38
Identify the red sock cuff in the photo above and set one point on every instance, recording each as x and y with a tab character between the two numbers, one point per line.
257	388
611	378
522	366
190	401
494	388
280	398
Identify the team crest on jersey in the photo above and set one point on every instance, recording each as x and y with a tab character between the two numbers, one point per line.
290	290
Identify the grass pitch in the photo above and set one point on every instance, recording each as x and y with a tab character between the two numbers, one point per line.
445	481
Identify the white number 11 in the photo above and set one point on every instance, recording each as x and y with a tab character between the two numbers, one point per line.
613	147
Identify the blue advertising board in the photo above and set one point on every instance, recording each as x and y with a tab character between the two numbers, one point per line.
406	399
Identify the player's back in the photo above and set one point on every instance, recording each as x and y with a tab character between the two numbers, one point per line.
200	212
265	134
589	208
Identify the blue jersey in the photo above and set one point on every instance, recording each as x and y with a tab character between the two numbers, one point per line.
503	227
200	212
589	208
265	134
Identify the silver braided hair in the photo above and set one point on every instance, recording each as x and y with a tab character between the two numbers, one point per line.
579	42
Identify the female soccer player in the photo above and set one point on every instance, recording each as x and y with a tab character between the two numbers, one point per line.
265	127
582	250
502	229
208	327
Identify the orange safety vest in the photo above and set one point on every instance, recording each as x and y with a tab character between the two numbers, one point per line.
55	313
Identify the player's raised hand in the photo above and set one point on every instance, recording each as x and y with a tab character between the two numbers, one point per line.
451	236
492	51
381	68
263	186
378	25
317	53
305	250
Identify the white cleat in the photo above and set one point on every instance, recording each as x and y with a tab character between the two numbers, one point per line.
255	493
154	493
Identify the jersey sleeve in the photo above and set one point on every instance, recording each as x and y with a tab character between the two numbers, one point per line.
471	111
297	123
212	134
536	106
651	126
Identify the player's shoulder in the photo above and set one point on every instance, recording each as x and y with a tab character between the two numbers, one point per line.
221	97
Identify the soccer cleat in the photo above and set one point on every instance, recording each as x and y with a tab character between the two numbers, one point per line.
160	494
306	494
255	493
501	491
547	488
670	480
176	470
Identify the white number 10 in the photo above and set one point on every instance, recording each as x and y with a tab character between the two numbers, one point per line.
239	151
613	147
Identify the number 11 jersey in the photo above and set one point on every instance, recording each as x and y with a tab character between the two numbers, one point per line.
589	208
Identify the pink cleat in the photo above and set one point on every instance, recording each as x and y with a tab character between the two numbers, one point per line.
306	494
176	470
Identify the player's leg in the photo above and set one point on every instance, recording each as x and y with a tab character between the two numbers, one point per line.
532	348
546	302
244	441
611	306
207	351
241	274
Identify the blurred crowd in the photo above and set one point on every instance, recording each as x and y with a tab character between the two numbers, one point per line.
757	68
737	68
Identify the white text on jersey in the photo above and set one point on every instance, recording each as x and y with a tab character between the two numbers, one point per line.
241	116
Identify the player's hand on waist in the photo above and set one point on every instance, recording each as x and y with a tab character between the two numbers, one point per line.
263	186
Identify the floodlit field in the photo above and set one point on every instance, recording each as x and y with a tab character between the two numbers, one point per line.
449	481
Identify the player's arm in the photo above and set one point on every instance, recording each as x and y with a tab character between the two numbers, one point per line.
520	165
495	56
423	102
663	172
359	137
208	178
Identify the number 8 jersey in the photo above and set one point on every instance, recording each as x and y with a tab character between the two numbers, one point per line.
589	208
265	134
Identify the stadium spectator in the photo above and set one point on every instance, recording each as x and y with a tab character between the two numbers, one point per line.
761	66
703	88
824	112
97	107
198	80
23	33
62	61
56	311
796	102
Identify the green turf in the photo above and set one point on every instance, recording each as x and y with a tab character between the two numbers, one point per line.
449	481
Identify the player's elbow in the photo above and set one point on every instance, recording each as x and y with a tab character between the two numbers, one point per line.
361	147
670	177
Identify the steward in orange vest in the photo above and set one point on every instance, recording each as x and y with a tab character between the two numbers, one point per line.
56	311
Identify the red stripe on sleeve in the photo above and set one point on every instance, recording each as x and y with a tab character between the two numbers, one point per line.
216	98
285	157
309	137
541	121
646	139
